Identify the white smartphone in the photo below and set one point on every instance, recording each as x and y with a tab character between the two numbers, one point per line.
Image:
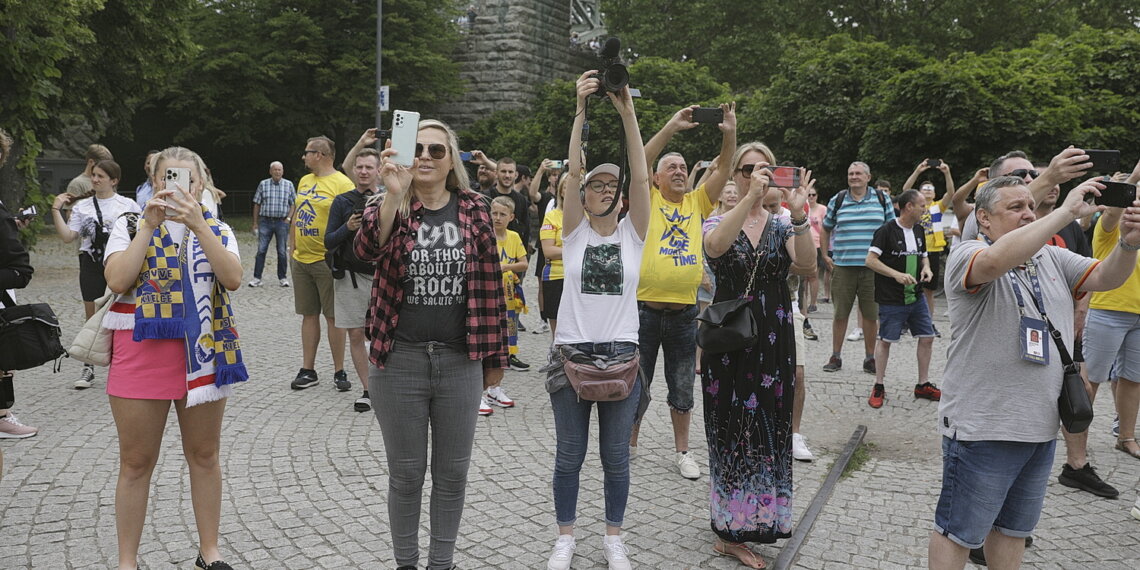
178	180
405	129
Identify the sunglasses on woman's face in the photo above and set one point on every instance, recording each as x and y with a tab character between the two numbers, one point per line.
746	169
435	150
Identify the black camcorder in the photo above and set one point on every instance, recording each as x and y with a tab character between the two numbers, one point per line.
613	73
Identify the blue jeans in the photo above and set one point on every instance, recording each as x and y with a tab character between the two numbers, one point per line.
268	228
675	332
991	485
572	429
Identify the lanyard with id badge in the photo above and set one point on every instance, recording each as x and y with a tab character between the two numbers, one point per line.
1033	332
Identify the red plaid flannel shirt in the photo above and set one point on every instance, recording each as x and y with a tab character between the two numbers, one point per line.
486	313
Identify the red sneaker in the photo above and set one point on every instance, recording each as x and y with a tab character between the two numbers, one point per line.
928	391
878	393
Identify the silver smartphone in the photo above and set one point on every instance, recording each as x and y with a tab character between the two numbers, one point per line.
405	129
178	180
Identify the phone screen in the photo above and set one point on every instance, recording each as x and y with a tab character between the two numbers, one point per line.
784	176
465	156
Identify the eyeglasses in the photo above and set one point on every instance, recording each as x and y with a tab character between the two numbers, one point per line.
812	195
1021	172
746	169
435	150
311	151
599	186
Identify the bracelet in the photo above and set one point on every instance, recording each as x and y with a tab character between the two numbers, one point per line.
799	230
1124	246
803	222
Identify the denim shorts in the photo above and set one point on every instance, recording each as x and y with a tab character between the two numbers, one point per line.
673	332
991	485
915	316
1112	345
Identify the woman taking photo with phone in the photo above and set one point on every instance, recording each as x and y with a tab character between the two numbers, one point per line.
598	320
91	221
437	325
174	342
749	393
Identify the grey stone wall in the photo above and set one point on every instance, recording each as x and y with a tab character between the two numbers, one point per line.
514	46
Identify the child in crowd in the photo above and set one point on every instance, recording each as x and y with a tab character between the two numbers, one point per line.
512	258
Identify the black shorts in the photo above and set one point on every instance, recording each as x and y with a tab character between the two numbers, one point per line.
539	263
92	284
935	258
551	298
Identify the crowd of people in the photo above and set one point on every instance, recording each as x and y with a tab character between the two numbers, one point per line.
419	270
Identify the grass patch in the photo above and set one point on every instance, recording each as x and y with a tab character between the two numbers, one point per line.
858	459
240	224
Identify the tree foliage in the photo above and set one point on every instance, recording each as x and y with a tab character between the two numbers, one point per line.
79	61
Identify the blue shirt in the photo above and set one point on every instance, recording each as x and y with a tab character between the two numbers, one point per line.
276	197
855	225
143	193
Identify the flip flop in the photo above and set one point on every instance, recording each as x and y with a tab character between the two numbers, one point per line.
1120	444
740	551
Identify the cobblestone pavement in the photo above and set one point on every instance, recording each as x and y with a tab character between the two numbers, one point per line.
305	474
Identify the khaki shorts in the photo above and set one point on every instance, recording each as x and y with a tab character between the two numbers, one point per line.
848	283
312	288
350	304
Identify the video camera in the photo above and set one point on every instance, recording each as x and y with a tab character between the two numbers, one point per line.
613	74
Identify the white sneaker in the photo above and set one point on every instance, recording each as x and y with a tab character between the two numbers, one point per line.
11	428
541	329
563	553
284	282
687	466
1136	509
800	449
856	334
255	282
617	555
496	396
485	406
86	378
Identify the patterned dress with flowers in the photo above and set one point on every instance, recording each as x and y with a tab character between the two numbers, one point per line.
748	396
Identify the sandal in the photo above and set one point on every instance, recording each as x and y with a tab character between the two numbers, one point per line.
1121	444
741	551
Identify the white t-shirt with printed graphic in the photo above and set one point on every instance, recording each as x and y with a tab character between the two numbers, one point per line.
599	295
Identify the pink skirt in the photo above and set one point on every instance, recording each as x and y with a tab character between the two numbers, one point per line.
152	369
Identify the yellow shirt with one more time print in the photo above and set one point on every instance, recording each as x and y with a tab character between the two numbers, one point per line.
673	261
314	198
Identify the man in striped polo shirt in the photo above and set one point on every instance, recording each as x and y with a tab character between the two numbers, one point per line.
852	216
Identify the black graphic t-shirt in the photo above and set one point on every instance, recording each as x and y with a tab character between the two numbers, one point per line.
435	300
901	249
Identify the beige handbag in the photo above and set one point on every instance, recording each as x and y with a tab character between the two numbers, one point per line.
93	343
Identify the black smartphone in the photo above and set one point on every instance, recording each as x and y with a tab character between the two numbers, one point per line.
1104	161
933	162
358	211
709	115
28	213
1116	194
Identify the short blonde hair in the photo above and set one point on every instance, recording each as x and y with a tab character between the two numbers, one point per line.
504	201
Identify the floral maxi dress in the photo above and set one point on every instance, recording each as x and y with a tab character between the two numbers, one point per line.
748	396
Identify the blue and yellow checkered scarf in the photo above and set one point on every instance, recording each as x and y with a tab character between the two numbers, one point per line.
166	306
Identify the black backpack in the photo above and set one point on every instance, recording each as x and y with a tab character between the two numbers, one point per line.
841	197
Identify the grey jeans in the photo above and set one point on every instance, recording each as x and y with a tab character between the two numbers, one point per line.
422	384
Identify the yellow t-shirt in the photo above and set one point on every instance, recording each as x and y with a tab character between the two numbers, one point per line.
1125	298
511	250
552	229
314	197
673	261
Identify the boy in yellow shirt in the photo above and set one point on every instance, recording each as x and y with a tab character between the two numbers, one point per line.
512	258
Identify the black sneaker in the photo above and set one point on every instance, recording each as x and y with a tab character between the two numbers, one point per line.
516	364
305	379
340	380
1086	479
363	403
834	364
521	327
869	365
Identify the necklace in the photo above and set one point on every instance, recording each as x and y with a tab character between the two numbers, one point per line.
753	221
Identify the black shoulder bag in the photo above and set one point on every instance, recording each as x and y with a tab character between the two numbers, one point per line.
729	326
29	334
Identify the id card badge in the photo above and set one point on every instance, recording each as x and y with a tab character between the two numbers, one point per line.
1034	341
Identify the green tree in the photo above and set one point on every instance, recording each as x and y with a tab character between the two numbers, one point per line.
79	61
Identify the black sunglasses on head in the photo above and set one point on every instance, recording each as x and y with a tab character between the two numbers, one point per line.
435	150
1021	172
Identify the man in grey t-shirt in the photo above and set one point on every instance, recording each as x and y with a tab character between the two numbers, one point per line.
999	431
